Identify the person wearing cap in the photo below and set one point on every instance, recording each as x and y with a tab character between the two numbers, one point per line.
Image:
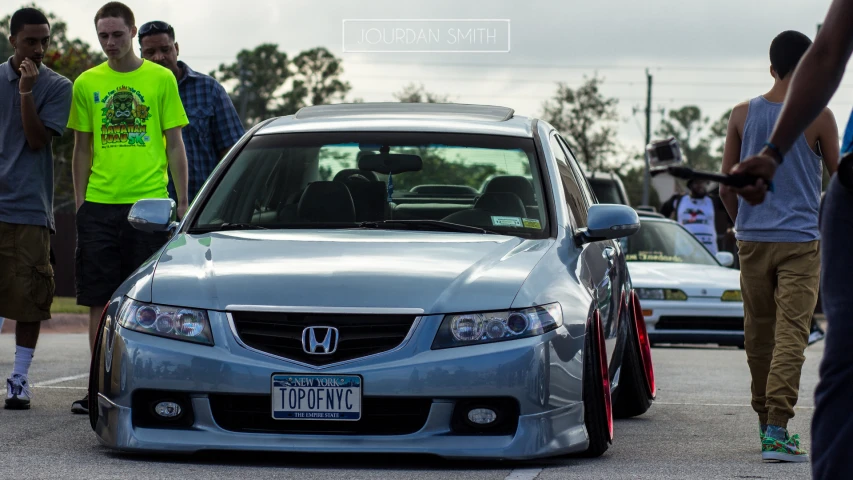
695	211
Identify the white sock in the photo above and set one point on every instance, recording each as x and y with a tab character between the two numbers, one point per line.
23	359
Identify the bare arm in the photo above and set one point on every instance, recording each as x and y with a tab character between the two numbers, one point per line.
817	76
828	138
81	165
814	83
731	155
177	156
35	131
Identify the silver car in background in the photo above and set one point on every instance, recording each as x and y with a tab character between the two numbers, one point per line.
344	283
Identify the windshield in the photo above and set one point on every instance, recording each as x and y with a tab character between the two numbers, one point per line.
666	242
342	180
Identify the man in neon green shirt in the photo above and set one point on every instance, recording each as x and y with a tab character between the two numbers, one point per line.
127	117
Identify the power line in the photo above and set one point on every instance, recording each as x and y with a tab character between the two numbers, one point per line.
480	79
346	61
565	67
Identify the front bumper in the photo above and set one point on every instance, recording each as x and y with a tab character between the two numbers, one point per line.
543	374
696	320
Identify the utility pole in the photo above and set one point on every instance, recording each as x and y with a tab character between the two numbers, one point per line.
647	175
244	93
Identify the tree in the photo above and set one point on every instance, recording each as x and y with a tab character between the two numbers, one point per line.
718	131
316	79
69	57
689	127
413	93
587	120
259	74
632	178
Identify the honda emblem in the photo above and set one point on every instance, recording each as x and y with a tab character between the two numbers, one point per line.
312	344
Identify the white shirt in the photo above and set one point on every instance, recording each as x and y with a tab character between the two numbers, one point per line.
697	216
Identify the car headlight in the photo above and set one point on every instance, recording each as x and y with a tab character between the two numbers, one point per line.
186	324
732	296
661	294
479	328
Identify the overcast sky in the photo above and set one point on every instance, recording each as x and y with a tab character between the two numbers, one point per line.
711	53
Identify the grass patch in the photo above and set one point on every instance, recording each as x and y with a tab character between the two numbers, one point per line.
67	305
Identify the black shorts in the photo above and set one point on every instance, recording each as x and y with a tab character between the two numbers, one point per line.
109	249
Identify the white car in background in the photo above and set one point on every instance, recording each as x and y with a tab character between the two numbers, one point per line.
687	294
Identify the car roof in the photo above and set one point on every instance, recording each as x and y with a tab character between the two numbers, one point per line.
403	117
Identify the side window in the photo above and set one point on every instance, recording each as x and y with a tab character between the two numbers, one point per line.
584	185
574	196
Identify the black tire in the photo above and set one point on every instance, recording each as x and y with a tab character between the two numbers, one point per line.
633	397
595	411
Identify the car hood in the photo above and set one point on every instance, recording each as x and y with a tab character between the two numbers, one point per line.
694	280
435	272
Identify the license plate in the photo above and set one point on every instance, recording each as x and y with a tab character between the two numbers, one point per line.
316	397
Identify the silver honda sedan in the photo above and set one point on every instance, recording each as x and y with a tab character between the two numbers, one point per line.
395	278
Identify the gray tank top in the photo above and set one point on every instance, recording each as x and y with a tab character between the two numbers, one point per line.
790	212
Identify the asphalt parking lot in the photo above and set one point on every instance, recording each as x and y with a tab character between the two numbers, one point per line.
700	426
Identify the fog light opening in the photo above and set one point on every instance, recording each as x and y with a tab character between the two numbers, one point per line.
482	416
168	410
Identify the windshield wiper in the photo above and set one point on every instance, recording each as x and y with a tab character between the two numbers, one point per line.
425	225
227	226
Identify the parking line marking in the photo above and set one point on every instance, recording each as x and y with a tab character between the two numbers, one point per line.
524	474
62	388
717	405
60	380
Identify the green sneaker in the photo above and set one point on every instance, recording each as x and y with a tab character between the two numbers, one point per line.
788	450
762	430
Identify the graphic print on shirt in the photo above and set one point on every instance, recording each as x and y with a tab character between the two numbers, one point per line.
123	119
694	217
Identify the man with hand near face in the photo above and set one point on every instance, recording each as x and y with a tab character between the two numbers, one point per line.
214	124
127	118
34	103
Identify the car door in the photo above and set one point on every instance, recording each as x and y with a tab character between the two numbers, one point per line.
606	257
597	258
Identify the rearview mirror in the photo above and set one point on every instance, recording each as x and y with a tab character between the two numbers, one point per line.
153	215
609	222
390	163
726	259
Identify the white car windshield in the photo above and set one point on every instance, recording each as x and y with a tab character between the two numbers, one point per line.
666	242
483	183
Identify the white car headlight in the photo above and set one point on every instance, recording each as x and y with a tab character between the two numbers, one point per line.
177	323
479	328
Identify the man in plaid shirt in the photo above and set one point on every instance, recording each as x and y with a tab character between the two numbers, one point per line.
214	125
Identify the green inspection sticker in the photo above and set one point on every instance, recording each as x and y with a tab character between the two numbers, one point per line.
531	223
506	221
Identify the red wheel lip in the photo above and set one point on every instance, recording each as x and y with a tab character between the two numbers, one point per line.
605	372
644	344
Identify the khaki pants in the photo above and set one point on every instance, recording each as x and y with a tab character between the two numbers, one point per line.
780	283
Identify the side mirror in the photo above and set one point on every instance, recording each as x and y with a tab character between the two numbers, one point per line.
726	259
153	215
609	222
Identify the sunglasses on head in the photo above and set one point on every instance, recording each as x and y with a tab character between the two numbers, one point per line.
154	27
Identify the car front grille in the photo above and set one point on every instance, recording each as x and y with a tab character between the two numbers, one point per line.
359	335
700	323
379	416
